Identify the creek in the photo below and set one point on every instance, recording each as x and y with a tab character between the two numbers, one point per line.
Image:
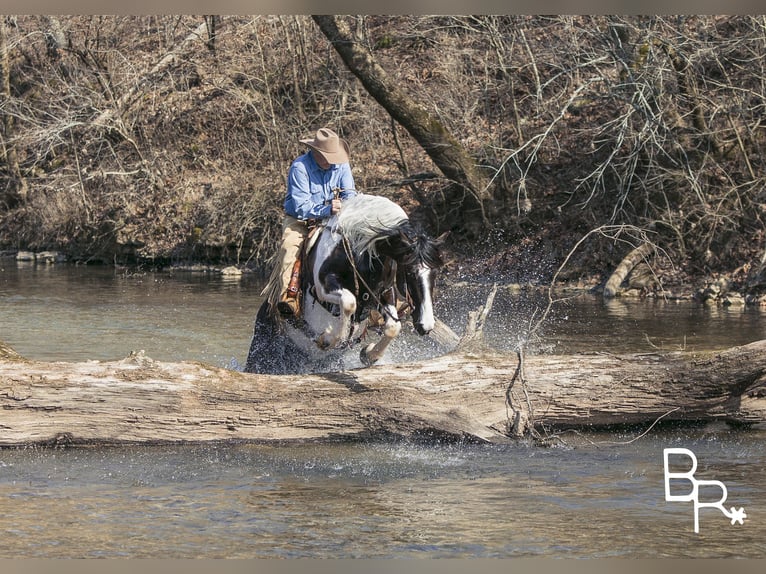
598	494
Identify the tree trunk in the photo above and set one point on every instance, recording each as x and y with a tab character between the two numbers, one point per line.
639	254
441	146
476	395
15	191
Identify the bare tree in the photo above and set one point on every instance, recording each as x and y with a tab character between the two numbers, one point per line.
468	194
127	129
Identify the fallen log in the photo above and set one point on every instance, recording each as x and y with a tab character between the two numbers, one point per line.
629	262
478	394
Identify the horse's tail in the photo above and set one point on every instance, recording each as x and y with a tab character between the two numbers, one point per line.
273	289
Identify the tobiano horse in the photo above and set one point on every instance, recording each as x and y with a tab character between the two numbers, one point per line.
369	268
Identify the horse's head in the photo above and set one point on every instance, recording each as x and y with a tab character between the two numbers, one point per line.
417	267
377	228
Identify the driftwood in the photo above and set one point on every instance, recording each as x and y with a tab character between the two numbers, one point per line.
471	393
614	283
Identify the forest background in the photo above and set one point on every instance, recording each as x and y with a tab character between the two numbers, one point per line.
548	146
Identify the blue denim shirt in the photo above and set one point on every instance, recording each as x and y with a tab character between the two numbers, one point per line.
309	187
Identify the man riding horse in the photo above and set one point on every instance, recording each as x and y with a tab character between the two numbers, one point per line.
370	266
317	182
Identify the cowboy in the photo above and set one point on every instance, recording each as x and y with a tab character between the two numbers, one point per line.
317	182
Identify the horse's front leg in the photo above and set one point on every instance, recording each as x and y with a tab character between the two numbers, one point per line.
332	292
391	329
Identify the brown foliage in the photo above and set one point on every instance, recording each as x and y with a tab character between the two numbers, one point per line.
580	121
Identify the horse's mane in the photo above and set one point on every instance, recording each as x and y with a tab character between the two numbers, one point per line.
366	219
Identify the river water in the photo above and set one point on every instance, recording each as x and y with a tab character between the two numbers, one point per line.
595	495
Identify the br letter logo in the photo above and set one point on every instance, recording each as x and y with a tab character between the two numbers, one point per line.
737	515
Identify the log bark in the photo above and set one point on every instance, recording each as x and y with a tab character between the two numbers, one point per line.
477	395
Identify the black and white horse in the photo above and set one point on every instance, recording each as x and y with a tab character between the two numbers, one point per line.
369	266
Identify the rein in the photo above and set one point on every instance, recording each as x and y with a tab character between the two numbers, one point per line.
358	278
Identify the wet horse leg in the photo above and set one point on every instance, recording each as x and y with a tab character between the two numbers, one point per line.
330	290
391	329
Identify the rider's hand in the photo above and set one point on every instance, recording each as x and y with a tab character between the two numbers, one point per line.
335	206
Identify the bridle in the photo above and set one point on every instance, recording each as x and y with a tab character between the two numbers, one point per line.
389	273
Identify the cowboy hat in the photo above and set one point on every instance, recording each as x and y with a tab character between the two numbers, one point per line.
327	143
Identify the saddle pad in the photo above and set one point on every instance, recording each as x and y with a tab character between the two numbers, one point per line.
314	233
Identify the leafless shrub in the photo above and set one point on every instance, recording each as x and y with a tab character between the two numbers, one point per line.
579	122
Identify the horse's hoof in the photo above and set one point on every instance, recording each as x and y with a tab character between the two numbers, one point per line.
364	356
324	343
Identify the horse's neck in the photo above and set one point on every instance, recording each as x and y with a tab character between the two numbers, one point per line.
378	268
392	248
